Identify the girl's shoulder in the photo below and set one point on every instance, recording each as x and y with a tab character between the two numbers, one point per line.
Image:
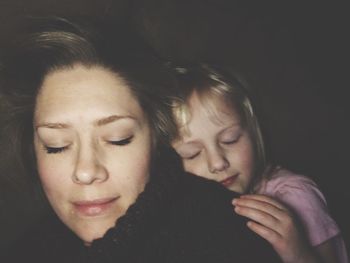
302	196
297	191
281	180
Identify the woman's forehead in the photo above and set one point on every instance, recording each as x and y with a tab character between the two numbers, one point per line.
82	91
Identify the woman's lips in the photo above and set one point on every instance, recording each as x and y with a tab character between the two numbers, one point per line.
95	207
229	180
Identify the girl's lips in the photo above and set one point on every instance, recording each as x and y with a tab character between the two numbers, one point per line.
95	207
229	180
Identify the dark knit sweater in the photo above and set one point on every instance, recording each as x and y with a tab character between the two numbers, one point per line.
178	218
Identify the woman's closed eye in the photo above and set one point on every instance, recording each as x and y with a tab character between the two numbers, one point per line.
53	150
122	142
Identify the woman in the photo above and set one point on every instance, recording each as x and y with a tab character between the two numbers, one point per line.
89	108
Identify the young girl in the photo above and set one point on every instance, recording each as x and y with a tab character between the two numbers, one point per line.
219	138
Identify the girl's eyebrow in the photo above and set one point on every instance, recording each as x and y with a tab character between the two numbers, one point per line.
236	125
189	141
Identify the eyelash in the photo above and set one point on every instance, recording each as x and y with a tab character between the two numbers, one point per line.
232	141
122	142
192	157
53	150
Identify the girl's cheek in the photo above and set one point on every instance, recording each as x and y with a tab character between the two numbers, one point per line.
187	166
191	167
199	168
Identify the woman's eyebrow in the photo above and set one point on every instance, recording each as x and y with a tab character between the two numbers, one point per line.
53	125
99	122
112	118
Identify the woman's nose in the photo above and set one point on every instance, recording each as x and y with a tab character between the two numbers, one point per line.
217	161
89	169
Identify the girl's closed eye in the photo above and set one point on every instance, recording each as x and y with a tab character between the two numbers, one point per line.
122	142
188	153
230	136
191	156
231	140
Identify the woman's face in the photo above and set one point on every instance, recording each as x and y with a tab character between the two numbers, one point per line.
215	145
93	147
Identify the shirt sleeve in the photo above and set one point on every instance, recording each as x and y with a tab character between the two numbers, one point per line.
306	200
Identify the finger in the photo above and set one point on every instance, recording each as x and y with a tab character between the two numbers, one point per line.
266	199
281	222
268	234
260	217
260	205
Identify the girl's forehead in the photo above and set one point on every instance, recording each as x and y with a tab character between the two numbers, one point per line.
211	114
215	107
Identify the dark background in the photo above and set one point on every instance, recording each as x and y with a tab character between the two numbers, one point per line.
295	54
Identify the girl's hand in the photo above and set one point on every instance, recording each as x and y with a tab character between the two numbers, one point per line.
275	223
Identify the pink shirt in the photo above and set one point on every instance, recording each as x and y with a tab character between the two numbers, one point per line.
302	196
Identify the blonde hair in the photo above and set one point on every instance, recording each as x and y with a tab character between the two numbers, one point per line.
208	82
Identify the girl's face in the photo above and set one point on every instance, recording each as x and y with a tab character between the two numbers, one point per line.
215	145
93	147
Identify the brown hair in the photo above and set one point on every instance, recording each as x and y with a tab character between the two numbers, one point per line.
54	43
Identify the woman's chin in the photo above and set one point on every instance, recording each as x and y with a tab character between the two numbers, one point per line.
92	231
89	236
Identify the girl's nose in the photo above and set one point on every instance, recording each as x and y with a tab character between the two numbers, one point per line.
89	170
217	161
